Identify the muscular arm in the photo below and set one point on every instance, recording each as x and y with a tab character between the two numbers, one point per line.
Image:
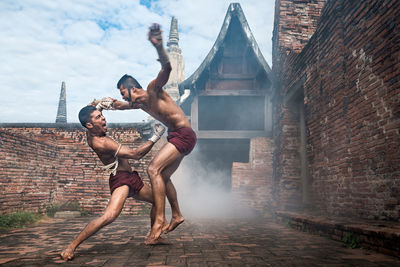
121	105
155	38
136	154
109	147
162	77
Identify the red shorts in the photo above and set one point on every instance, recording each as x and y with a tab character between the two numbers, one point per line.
130	179
184	139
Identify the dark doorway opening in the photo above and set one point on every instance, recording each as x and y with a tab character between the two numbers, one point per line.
227	113
217	155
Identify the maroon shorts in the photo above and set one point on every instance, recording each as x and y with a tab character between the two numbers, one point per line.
184	139
130	179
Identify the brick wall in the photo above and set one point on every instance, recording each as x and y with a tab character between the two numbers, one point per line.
347	76
26	172
252	182
44	165
286	163
294	23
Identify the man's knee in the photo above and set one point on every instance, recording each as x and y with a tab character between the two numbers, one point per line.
110	216
153	171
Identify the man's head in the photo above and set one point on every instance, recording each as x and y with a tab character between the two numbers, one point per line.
125	84
92	119
84	115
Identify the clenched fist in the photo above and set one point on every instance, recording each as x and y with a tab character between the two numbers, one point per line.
158	131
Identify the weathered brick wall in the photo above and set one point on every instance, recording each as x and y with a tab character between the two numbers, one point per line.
286	163
294	23
252	182
26	172
349	75
44	165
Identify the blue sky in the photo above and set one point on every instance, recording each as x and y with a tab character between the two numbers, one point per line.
91	44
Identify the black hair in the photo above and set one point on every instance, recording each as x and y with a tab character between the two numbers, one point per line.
128	82
84	114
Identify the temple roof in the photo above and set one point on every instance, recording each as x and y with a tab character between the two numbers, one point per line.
234	12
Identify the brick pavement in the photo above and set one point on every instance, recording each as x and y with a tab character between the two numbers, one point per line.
198	242
379	235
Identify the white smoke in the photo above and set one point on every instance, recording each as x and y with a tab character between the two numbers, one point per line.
202	190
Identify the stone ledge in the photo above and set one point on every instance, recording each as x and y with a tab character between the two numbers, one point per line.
67	214
382	236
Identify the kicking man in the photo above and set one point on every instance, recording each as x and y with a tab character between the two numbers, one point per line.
181	138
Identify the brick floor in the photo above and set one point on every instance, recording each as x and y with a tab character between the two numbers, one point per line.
382	236
197	242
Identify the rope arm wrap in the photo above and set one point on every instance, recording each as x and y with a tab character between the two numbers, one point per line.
112	167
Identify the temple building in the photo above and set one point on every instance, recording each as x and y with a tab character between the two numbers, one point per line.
230	95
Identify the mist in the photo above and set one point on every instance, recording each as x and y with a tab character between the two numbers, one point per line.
204	189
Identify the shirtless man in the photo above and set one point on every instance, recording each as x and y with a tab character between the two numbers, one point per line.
124	182
181	138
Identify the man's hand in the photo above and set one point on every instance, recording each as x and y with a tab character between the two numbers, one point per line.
104	103
155	38
155	35
158	131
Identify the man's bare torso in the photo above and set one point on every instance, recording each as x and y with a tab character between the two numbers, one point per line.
161	106
100	145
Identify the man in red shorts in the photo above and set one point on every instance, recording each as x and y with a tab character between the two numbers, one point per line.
124	182
181	138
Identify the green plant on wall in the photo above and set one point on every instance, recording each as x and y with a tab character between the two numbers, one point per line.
352	240
18	219
52	209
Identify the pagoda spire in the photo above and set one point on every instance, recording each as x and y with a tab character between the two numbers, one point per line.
173	34
177	63
62	106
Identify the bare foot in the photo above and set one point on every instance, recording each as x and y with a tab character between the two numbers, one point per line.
67	254
158	241
165	226
156	231
175	221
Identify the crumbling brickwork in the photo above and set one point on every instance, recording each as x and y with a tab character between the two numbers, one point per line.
252	181
347	77
294	23
40	166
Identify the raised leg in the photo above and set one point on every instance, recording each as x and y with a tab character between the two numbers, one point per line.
167	156
112	211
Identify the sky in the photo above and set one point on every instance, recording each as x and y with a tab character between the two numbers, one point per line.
90	44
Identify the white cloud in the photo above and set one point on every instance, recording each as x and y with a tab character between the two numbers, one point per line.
82	32
91	44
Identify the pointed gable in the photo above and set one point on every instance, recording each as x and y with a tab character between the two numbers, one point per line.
234	63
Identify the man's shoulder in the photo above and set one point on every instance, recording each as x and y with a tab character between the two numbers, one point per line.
99	142
152	91
151	85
